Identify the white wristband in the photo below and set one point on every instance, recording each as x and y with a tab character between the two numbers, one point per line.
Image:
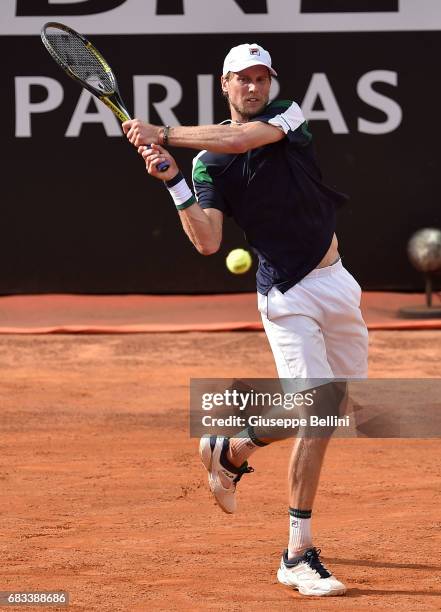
180	192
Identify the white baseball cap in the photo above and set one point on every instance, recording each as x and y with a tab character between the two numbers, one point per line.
246	55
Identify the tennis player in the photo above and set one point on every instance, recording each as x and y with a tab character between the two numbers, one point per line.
260	168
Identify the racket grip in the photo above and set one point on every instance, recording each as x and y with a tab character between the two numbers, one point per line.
163	166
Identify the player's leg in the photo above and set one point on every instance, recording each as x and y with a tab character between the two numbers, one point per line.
298	349
304	469
292	322
344	330
225	458
346	342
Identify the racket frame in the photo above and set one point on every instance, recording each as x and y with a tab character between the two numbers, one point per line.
112	99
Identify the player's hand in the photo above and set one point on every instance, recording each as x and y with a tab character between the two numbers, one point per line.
154	156
139	133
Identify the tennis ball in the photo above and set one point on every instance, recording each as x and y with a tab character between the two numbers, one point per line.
238	261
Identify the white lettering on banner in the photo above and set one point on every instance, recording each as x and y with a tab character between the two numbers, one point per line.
211	16
389	107
24	108
172	98
319	90
102	115
205	99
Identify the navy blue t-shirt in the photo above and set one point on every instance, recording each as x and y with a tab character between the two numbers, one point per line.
276	195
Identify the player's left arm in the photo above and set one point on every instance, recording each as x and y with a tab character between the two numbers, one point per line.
230	138
203	226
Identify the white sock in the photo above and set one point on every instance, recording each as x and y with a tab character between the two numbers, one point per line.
299	532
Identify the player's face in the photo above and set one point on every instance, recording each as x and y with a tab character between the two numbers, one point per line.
247	92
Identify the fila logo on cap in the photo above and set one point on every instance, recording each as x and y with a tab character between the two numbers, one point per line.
254	51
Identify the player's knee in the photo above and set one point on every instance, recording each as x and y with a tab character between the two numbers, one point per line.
328	407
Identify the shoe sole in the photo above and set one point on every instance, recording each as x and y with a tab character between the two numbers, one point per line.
206	456
303	591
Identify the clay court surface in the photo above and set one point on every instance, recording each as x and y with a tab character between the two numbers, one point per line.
103	494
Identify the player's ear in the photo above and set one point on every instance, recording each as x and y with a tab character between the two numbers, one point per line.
224	84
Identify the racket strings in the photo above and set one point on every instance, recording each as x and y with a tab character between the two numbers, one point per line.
80	60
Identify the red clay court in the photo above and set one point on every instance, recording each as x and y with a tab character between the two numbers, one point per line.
104	495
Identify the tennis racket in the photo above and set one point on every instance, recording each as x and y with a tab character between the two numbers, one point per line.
84	63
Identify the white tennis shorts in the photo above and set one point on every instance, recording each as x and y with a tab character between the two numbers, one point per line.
316	329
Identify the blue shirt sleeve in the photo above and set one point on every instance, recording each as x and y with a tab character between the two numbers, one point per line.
207	194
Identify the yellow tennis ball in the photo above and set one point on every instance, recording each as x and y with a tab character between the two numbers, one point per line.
239	261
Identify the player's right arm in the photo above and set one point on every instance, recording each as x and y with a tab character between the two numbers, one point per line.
202	226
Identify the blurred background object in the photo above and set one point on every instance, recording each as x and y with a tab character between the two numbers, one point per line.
424	250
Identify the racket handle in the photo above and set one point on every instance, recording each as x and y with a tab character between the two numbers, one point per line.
163	166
